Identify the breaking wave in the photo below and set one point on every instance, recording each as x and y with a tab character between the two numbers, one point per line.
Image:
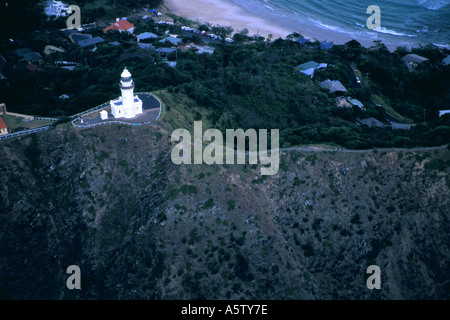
433	4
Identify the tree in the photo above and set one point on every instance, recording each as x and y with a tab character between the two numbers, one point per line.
293	35
222	32
204	27
244	32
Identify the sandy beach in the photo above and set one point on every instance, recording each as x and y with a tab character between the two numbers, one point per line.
226	13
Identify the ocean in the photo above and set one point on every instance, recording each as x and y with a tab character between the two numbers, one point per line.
403	22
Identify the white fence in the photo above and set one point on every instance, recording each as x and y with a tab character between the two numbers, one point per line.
106	105
25	132
110	122
79	115
97	108
46	119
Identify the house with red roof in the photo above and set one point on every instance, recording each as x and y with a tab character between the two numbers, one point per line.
3	127
121	25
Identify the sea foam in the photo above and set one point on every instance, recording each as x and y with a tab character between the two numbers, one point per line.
433	4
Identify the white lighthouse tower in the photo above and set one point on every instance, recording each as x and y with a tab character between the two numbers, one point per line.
128	105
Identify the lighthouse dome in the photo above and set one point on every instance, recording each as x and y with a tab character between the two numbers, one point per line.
126	81
126	73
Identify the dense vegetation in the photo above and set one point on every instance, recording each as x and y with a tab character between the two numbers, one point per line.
248	85
110	200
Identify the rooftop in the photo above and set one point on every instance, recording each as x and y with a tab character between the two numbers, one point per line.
371	122
121	25
308	65
90	42
27	54
3	124
308	72
402	126
68	32
205	49
333	86
172	40
414	58
145	46
355	102
165	50
146	35
76	37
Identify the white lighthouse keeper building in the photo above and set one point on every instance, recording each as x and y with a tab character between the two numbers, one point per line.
128	105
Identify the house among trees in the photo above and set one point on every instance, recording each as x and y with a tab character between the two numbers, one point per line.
174	41
413	60
146	35
121	25
90	42
85	40
165	51
349	102
204	49
356	103
333	86
77	37
371	122
69	32
28	55
400	126
309	67
145	46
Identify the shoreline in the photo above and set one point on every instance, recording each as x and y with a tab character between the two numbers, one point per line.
228	13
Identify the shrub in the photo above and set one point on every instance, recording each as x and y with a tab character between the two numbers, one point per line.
208	204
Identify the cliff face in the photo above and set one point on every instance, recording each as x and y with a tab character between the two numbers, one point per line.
110	200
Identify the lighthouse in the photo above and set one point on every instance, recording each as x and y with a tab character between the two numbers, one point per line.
127	105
